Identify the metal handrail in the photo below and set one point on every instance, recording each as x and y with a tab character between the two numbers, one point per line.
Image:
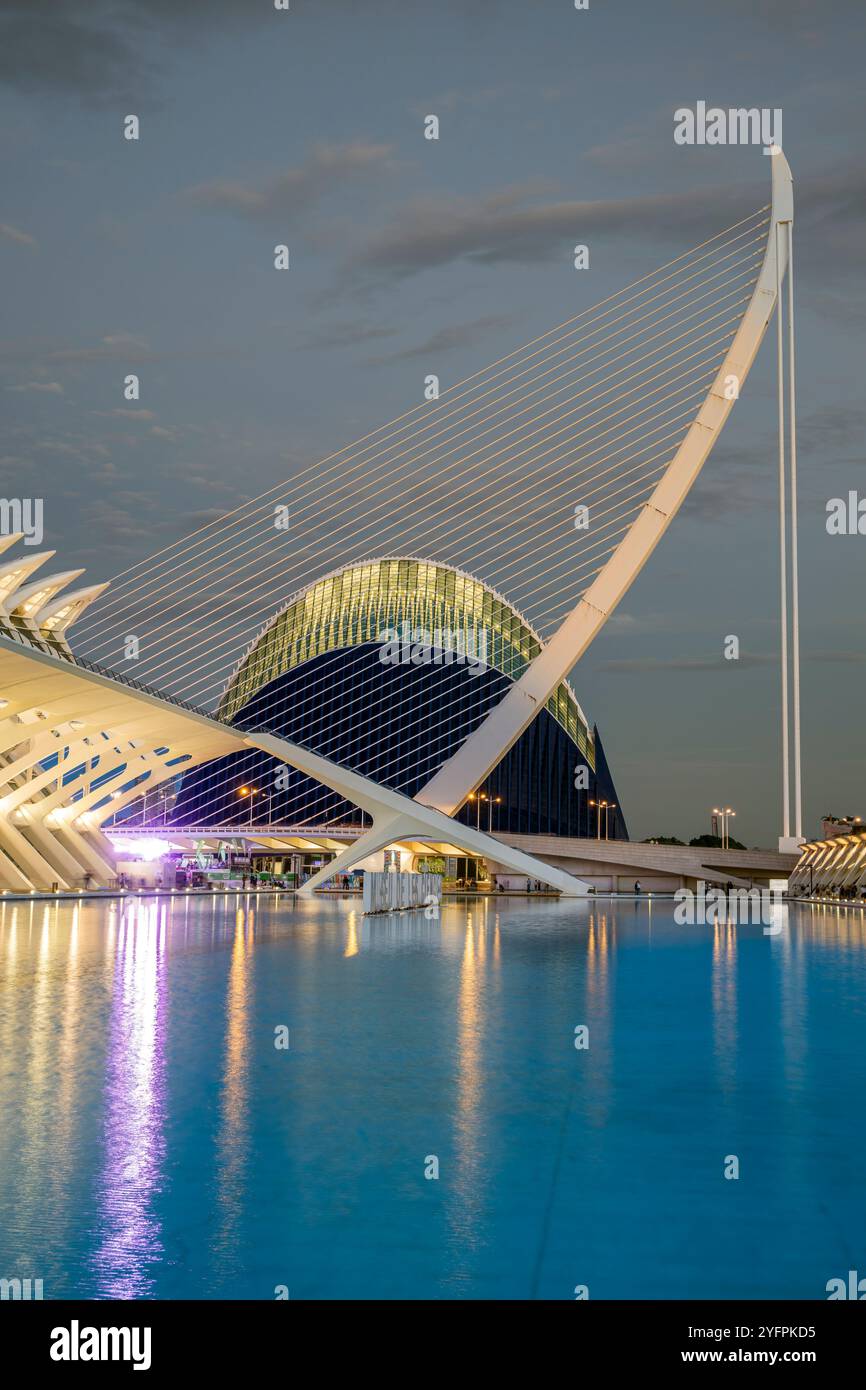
147	689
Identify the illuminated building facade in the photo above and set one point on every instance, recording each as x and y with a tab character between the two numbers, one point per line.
832	868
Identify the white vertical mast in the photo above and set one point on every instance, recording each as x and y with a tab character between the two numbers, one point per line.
795	581
783	547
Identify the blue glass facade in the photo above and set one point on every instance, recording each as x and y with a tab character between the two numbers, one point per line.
396	724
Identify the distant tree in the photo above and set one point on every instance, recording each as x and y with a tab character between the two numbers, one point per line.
663	840
714	842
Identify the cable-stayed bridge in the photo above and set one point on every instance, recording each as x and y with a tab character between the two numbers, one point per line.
526	498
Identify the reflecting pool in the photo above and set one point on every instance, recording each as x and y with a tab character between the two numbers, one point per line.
158	1138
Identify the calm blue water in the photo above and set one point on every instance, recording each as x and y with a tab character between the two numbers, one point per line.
155	1143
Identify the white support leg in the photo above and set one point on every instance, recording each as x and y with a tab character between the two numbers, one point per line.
51	849
102	870
380	834
397	817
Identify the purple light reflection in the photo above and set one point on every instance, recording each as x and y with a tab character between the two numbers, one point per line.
130	1240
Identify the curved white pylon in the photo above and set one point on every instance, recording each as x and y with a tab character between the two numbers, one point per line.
487	744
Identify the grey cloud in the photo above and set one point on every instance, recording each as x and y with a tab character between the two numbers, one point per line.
128	414
508	226
735	482
110	48
48	388
447	339
836	658
643	664
15	234
328	167
739	482
117	522
344	335
99	52
120	345
831	428
434	232
447	102
123	348
43	47
794	14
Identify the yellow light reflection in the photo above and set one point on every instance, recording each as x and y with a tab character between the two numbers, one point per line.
233	1136
724	996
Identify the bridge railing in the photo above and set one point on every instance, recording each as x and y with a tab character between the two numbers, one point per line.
146	689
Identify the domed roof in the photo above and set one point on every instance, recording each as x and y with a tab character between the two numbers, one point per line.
356	603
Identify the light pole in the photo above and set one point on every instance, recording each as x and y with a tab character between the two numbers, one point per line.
252	793
477	797
600	806
490	801
724	813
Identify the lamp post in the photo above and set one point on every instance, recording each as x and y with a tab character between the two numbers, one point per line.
491	800
477	797
724	813
252	793
599	807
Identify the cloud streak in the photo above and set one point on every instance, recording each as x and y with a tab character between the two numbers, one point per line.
288	195
448	339
644	664
15	234
506	227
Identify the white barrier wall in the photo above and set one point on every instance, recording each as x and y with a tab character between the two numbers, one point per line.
392	892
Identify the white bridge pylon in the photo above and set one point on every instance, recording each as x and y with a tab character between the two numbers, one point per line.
51	829
468	768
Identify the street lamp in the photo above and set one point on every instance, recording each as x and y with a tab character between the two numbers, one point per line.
725	813
600	806
491	800
252	793
477	797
